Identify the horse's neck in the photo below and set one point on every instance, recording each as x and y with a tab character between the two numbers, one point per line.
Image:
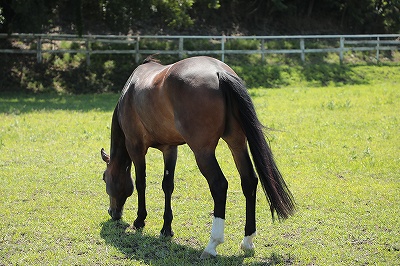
118	152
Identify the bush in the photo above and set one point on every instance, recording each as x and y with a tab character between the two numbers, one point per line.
108	73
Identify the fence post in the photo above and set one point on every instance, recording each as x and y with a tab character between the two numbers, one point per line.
223	48
341	41
377	49
87	51
302	48
137	55
262	51
39	49
180	47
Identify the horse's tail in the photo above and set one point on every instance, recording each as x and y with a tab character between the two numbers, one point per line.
278	194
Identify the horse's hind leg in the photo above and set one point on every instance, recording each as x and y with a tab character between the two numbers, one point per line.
170	156
218	184
249	181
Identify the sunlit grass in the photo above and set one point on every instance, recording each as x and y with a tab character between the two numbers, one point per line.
338	148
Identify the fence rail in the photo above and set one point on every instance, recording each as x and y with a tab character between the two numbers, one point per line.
340	44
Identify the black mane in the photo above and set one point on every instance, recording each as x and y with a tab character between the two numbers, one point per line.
151	58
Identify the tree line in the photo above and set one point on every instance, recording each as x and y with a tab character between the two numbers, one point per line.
200	16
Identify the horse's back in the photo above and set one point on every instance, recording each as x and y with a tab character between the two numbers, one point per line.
179	103
198	68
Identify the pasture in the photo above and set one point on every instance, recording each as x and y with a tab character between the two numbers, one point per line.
338	148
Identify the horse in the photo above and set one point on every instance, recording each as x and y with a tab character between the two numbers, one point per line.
195	101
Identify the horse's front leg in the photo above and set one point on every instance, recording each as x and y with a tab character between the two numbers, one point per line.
170	155
140	182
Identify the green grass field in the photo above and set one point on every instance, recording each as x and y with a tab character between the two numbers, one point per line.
338	148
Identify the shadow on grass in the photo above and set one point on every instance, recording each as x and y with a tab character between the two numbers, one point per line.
310	74
17	103
323	74
135	245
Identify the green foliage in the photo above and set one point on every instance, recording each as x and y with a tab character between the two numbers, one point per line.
201	44
268	76
84	16
108	73
337	148
178	12
240	44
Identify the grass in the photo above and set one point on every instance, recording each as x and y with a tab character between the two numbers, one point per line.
337	146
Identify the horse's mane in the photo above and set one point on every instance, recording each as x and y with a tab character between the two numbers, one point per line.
151	58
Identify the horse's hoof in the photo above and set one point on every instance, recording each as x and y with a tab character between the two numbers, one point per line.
246	246
138	224
247	243
166	233
207	255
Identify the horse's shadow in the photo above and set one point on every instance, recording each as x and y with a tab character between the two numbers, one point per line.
135	245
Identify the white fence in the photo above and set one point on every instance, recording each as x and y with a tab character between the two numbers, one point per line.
44	43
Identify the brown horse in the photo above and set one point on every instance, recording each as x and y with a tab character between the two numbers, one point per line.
195	101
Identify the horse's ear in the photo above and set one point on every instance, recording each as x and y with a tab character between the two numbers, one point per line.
105	156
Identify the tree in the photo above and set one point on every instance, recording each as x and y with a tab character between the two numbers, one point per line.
122	16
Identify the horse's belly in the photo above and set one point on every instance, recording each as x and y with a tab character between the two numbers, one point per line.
164	133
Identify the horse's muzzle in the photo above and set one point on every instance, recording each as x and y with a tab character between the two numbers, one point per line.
115	215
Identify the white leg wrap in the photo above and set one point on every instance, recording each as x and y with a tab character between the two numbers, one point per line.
217	237
247	243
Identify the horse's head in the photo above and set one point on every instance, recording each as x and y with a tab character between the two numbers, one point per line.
119	185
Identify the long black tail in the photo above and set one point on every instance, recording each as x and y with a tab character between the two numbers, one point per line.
278	194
